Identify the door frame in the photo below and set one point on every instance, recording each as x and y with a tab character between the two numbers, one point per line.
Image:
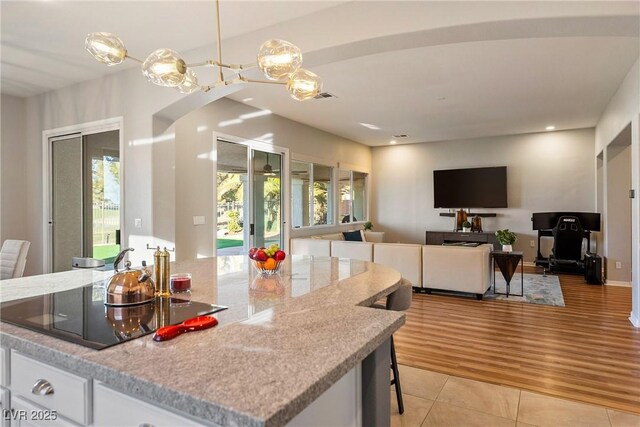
268	147
99	126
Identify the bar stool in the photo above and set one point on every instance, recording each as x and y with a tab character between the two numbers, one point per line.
399	300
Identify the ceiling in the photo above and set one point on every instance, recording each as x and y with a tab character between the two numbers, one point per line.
431	70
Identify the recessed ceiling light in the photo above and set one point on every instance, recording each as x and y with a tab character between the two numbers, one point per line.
247	99
550	128
370	126
392	142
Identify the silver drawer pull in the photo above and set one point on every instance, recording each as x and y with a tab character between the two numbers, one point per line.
42	388
146	425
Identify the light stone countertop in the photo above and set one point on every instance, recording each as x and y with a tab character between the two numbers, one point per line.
283	341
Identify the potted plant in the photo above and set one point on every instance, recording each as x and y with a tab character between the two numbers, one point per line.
506	238
368	226
466	226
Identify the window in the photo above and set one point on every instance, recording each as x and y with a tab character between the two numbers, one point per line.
311	194
352	188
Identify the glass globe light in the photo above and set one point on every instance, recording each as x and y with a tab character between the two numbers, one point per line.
303	85
190	83
164	67
278	58
106	48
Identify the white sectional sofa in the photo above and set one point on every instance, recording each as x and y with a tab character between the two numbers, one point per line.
457	268
427	267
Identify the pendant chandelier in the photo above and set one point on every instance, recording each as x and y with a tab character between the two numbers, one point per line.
279	61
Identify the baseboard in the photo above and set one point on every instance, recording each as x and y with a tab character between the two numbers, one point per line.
529	264
618	283
635	319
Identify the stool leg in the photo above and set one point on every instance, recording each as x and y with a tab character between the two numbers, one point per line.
396	377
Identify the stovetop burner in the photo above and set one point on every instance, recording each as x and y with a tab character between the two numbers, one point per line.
80	316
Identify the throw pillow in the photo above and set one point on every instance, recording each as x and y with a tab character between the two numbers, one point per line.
352	236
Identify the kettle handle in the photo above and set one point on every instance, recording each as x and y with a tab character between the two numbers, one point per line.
120	257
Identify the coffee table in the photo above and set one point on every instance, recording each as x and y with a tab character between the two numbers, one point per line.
508	262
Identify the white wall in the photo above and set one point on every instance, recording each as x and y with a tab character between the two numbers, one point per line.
622	110
618	228
194	137
13	172
551	171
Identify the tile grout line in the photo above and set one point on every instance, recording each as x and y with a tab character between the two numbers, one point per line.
609	417
489	384
518	407
435	400
475	410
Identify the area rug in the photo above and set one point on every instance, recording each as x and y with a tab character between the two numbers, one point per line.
538	289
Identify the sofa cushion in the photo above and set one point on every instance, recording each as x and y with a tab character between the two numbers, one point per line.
406	258
354	250
373	236
352	236
317	247
332	236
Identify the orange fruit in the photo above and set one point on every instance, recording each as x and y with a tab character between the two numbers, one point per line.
270	264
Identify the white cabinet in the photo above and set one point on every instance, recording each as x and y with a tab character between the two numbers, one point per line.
26	414
112	408
50	388
5	406
4	367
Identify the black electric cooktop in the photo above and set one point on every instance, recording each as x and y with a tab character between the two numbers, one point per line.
80	316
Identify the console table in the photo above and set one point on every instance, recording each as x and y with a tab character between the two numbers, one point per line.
440	237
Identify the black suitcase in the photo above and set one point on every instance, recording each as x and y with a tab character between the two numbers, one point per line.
593	269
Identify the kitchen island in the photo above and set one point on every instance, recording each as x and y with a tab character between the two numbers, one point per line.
285	343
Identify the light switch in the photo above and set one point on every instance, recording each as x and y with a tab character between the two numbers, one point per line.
198	220
137	223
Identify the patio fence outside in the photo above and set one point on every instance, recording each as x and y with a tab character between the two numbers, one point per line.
106	219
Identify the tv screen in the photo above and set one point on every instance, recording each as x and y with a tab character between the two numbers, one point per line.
470	188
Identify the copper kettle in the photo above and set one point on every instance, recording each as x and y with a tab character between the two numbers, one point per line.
128	320
129	286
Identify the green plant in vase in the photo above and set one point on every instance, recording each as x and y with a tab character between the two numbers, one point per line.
506	238
466	226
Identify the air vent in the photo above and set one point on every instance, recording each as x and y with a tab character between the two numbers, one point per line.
401	136
323	95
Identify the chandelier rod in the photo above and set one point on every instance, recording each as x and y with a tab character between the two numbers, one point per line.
220	74
214	63
244	79
132	58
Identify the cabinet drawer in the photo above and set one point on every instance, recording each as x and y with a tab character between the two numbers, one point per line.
4	367
26	414
68	393
112	408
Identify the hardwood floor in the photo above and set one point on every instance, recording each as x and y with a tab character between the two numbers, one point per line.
586	351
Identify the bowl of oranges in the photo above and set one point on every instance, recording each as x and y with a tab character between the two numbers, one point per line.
267	260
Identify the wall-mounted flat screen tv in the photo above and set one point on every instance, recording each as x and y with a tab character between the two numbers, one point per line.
470	188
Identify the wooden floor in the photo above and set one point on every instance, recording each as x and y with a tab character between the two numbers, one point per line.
586	351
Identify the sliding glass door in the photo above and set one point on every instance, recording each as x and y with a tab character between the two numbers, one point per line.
267	198
66	201
249	195
84	198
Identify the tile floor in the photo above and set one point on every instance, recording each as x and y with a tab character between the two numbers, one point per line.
432	399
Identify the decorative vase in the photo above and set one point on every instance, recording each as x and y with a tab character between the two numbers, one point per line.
466	229
507	248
